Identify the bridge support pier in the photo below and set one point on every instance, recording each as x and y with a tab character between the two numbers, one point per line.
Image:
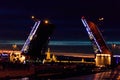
103	60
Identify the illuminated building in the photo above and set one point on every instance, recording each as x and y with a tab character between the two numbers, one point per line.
49	58
102	53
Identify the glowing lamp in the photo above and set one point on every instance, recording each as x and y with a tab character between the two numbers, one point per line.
46	21
33	17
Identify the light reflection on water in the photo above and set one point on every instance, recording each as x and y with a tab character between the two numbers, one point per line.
25	78
98	76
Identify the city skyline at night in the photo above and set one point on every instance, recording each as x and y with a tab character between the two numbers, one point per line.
59	39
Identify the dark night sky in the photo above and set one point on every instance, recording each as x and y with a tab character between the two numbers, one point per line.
16	23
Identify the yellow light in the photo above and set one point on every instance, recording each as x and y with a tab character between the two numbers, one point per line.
103	59
23	58
30	38
14	46
33	17
103	55
46	21
101	19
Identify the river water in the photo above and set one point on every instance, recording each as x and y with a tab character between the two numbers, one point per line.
108	75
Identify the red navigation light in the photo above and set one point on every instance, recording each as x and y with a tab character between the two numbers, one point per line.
83	17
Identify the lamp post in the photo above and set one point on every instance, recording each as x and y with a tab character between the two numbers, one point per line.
14	46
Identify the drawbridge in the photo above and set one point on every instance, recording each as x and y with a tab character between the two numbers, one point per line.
38	39
35	45
30	37
102	52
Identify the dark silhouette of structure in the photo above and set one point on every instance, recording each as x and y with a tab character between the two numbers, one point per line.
38	39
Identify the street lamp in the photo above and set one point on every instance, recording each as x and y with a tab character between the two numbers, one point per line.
46	21
101	19
34	18
14	46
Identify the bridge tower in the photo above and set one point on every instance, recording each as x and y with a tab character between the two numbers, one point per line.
102	53
38	39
